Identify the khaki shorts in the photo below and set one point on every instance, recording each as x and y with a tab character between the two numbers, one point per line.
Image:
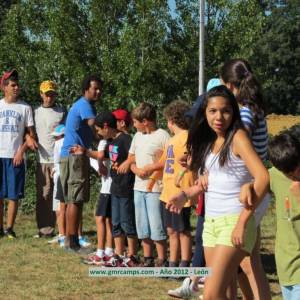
75	178
218	230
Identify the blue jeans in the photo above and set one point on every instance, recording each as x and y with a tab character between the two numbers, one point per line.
148	216
291	292
122	216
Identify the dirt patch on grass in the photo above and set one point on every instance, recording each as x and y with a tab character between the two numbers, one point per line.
277	123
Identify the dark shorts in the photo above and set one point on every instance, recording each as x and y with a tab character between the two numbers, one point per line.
59	191
75	178
122	213
103	207
178	222
12	179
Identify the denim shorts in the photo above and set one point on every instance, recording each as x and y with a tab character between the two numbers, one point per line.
291	292
12	179
218	230
148	216
122	216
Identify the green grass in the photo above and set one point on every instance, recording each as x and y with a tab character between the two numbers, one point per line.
33	269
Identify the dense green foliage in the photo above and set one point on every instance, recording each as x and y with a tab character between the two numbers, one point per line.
143	51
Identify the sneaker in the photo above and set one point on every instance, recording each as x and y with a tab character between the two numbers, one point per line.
93	259
115	261
83	242
54	240
132	262
201	282
10	233
185	291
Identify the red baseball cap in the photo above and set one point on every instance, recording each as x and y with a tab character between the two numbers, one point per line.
8	74
122	114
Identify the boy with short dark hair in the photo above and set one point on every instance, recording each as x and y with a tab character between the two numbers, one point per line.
145	144
15	120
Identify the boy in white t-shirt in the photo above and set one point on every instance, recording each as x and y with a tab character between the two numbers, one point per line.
16	120
144	147
103	208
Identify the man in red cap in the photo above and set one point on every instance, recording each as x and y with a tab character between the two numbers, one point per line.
16	120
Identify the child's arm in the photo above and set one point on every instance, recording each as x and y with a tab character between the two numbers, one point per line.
179	176
176	202
125	165
77	149
243	148
153	179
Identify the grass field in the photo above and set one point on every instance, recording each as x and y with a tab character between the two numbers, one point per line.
33	269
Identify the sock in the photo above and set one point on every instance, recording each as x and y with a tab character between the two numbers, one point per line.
173	264
109	251
184	264
100	252
74	243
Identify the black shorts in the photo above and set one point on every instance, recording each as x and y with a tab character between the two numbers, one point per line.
178	222
59	191
103	207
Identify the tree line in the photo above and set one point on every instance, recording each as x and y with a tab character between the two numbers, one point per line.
143	51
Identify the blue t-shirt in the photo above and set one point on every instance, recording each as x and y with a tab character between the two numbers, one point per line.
77	131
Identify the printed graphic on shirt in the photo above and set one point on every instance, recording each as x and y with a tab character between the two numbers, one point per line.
113	153
169	165
9	120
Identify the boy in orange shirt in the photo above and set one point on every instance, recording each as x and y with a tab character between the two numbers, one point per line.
177	225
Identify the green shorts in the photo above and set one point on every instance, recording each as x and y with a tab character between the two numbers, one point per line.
218	230
75	178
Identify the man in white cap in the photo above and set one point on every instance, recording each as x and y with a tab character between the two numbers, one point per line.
47	116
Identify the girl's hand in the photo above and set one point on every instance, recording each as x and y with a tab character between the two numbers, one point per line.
176	202
238	235
77	150
246	195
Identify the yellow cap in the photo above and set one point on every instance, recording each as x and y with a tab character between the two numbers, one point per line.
47	86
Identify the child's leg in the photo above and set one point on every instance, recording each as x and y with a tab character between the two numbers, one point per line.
147	247
119	244
186	248
252	267
12	213
117	231
61	219
132	245
174	246
109	237
223	261
157	231
101	232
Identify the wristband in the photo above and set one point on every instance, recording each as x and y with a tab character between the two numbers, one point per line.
181	173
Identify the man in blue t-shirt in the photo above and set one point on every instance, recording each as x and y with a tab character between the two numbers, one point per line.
74	169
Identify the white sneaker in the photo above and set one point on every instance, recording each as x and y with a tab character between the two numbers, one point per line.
54	240
185	291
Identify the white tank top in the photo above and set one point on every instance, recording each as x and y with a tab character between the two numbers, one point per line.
224	185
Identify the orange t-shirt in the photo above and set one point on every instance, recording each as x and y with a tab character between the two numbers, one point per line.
174	150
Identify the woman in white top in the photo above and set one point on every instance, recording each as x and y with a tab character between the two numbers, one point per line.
220	148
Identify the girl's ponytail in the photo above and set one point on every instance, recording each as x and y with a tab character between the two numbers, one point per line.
238	72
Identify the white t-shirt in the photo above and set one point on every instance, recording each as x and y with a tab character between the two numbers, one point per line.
46	119
105	180
56	154
14	118
145	147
